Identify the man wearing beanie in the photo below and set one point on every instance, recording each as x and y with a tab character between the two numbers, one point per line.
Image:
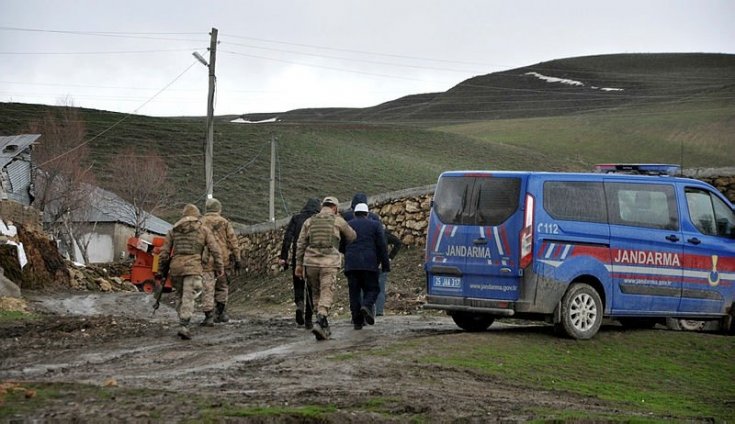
318	258
182	254
216	289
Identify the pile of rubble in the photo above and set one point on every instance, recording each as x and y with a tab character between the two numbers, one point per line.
46	269
97	278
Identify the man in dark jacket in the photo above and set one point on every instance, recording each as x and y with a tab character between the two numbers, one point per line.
290	237
364	259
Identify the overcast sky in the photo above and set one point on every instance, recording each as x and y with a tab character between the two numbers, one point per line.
274	55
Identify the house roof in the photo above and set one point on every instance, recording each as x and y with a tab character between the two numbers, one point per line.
12	146
106	206
109	207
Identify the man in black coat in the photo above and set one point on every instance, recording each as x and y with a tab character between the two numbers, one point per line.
290	237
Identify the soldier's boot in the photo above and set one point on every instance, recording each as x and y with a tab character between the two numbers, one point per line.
308	323
321	329
208	319
184	329
300	313
221	314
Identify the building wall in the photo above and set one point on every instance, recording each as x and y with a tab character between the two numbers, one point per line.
109	241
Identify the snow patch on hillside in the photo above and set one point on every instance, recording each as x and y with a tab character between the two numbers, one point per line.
245	121
569	82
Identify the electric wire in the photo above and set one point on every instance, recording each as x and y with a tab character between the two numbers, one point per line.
121	119
131	35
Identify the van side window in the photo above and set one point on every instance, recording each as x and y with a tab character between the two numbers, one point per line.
709	214
575	201
642	205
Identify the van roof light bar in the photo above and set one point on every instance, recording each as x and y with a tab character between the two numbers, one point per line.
639	168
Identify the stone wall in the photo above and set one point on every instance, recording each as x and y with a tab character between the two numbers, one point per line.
722	178
405	213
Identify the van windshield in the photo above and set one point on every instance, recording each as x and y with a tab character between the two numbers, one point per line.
487	201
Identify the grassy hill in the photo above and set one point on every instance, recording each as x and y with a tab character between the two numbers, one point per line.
593	83
672	107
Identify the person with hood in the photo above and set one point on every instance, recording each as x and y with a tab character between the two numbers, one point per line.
304	309
318	258
216	289
182	253
364	259
359	197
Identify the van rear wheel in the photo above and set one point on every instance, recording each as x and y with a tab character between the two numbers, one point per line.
581	312
472	322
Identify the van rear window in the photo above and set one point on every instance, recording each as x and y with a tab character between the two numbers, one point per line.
486	201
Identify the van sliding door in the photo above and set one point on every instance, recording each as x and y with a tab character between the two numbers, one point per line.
646	248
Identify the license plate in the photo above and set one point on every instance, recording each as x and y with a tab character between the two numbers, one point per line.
443	282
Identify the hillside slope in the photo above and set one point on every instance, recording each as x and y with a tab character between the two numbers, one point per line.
553	88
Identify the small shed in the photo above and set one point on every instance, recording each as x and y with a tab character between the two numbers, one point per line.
15	168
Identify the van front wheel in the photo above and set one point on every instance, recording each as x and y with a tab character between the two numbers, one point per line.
581	312
472	322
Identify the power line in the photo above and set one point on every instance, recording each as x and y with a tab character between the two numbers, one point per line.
352	60
73	149
133	35
98	52
323	66
359	51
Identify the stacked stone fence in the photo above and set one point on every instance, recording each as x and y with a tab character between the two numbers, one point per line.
722	178
405	213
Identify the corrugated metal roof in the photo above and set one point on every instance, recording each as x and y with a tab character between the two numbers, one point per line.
107	206
12	146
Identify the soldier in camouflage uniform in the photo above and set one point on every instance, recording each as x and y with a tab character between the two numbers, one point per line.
318	258
215	289
182	255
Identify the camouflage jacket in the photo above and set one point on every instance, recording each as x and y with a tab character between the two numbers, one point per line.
184	247
323	257
226	239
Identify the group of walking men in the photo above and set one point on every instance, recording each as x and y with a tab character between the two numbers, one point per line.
317	238
196	252
199	249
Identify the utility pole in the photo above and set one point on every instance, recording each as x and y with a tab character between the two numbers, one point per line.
272	203
209	149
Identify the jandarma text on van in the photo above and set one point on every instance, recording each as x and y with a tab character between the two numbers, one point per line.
468	251
647	258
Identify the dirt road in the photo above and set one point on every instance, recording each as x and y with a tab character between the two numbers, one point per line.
136	368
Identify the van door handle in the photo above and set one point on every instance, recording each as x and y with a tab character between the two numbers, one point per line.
672	238
694	240
481	240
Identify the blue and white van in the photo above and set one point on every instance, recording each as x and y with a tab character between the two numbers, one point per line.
573	248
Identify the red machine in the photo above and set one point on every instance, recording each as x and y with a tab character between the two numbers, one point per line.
145	266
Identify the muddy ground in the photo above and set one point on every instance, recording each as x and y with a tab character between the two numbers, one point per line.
90	356
110	341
